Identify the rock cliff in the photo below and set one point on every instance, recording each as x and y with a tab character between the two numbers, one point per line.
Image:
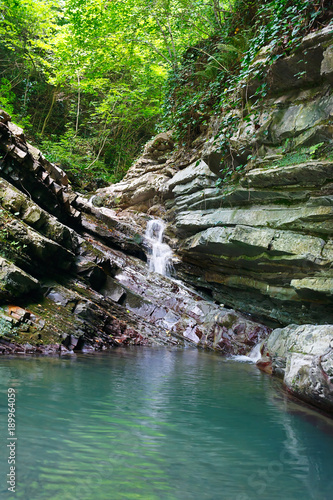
259	240
74	277
252	223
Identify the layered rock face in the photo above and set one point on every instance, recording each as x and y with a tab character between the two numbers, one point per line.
261	241
266	236
73	277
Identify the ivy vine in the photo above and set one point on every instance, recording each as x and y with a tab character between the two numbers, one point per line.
214	76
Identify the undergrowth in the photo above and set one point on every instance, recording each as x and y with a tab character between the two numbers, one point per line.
9	247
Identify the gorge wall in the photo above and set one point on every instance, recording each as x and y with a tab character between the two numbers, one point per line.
74	277
251	223
260	240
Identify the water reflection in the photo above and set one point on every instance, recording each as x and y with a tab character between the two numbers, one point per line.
160	424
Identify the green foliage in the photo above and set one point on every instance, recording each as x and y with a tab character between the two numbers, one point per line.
208	70
313	150
7	96
74	155
125	74
87	78
25	27
306	153
280	26
9	247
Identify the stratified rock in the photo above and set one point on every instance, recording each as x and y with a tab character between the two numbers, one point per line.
14	282
262	240
27	169
182	313
20	204
145	184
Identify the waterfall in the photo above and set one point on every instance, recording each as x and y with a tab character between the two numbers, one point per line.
91	200
253	356
159	253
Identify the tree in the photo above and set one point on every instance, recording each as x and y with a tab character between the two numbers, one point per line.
88	75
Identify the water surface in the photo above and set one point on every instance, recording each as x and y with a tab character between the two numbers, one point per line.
160	424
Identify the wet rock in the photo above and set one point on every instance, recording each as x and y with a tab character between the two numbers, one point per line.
114	291
97	321
73	343
115	234
304	356
29	349
36	246
265	365
18	314
94	274
64	350
183	313
58	297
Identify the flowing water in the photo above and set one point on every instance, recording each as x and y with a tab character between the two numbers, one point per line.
159	424
253	356
159	253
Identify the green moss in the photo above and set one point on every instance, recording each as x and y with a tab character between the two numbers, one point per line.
229	320
58	319
5	327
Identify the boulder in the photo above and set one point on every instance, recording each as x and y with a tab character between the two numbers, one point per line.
303	356
14	282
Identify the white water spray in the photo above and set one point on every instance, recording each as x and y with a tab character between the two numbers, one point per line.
91	200
159	253
253	356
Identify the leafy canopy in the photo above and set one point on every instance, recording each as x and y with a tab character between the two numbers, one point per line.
86	77
89	79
